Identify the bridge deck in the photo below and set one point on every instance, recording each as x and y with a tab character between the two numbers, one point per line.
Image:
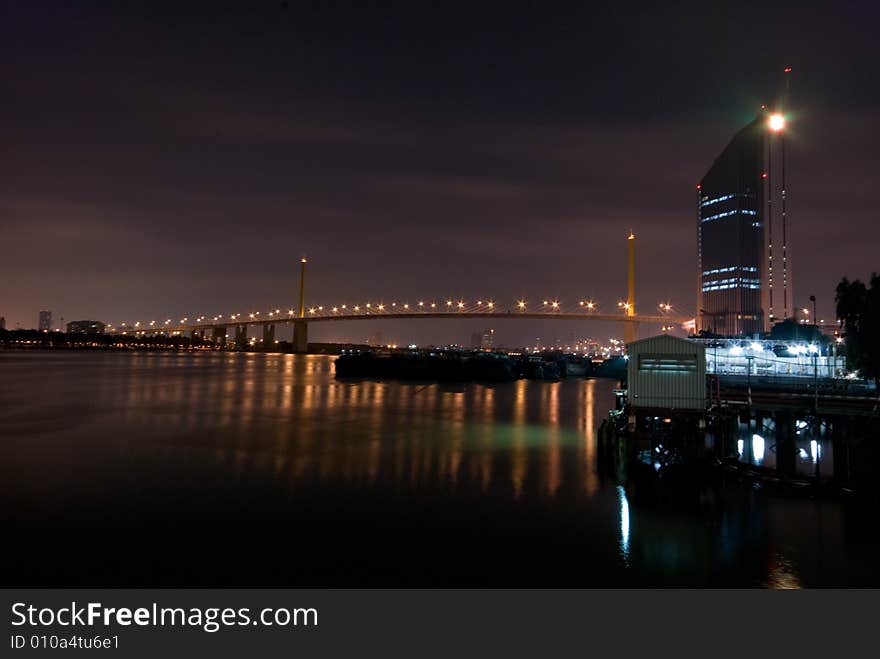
415	315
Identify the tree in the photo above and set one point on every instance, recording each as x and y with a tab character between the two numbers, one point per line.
791	330
858	310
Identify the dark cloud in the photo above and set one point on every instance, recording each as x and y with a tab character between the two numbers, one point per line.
175	162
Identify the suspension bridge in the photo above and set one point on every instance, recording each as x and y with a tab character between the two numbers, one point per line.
217	327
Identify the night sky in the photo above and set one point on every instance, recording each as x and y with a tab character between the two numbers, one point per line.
161	162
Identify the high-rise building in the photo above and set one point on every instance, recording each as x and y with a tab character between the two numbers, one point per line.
744	278
45	322
488	339
2	322
484	340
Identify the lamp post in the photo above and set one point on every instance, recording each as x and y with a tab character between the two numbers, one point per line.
714	339
749	359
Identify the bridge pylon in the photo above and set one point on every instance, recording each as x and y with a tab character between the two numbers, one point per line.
301	326
631	328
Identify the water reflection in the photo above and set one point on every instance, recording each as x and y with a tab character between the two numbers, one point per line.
482	480
624	523
812	447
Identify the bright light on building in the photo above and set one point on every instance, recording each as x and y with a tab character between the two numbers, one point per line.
758	446
776	122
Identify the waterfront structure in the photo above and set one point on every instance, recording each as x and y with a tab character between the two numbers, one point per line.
774	358
85	327
741	289
666	372
44	324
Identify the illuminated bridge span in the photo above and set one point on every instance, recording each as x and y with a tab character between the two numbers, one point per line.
216	327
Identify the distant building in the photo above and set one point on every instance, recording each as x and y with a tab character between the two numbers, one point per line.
488	339
45	322
744	270
85	327
2	323
484	340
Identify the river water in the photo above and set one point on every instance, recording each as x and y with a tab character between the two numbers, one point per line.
243	469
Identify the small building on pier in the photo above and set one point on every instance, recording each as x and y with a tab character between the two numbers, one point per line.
665	372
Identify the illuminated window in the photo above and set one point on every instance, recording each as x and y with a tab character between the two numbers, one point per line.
718	216
668	363
717	200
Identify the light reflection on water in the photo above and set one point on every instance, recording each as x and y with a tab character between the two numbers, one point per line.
274	444
624	523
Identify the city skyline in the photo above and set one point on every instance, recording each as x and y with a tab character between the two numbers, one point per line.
166	176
